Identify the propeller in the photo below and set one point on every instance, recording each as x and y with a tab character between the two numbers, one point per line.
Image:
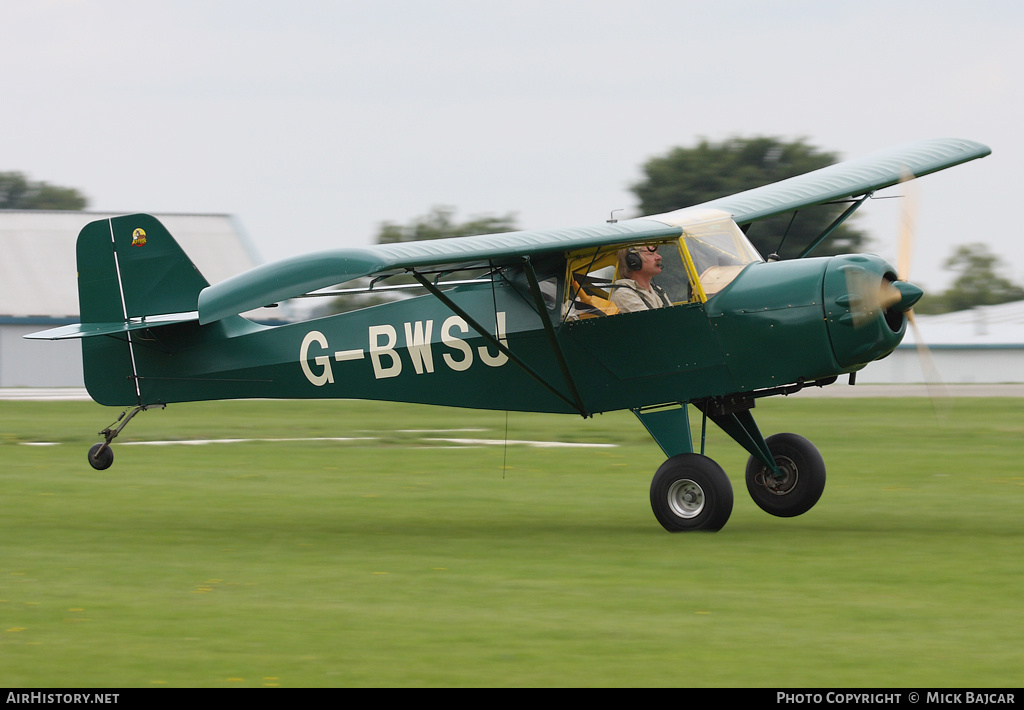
904	255
869	298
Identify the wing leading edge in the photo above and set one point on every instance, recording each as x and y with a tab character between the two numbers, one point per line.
851	178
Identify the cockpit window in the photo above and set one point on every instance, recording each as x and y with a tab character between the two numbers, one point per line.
719	250
673	277
591	276
710	254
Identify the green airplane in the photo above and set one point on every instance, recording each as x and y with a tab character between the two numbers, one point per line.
532	321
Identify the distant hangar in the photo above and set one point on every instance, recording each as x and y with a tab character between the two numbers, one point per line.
984	344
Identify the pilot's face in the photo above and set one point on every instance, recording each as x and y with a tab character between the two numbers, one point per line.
651	262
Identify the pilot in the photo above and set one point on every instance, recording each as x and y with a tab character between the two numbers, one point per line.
636	292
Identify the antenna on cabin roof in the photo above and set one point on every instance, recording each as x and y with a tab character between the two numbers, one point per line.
611	217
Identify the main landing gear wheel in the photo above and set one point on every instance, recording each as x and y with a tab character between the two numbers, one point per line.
691	492
802	481
101	456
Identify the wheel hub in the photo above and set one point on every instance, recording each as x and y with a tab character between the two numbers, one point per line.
686	498
781	485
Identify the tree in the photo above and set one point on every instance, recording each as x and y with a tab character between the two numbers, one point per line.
689	176
440	223
17	192
978	283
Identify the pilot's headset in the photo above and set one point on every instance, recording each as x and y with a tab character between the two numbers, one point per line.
633	260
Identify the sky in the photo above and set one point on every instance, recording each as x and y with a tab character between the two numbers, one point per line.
314	121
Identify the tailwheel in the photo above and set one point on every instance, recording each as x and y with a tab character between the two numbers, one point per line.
801	483
101	456
691	492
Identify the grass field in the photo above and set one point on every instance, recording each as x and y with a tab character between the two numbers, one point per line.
399	559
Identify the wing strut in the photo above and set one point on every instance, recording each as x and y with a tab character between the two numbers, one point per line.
433	289
835	225
549	329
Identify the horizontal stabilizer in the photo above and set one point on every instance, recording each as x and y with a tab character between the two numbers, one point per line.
88	330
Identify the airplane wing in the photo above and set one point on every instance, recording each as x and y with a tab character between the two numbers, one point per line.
296	276
849	179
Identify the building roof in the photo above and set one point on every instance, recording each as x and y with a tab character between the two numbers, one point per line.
981	326
38	273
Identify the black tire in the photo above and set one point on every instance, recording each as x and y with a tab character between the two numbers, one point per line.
803	481
101	456
691	492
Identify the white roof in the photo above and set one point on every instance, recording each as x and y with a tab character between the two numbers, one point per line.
986	326
39	276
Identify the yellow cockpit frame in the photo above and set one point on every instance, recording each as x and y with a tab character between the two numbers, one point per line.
709	255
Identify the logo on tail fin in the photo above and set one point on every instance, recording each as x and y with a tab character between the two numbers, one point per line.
139	238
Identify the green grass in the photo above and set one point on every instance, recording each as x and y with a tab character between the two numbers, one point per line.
399	561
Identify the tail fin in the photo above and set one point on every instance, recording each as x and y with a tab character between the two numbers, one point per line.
132	276
131	267
142	342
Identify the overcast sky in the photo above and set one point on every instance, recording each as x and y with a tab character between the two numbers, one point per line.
315	121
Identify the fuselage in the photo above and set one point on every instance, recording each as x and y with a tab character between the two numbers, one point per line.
773	324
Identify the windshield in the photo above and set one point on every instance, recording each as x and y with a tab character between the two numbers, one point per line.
719	250
710	254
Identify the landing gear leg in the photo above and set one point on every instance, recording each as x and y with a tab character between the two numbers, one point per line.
101	456
785	473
